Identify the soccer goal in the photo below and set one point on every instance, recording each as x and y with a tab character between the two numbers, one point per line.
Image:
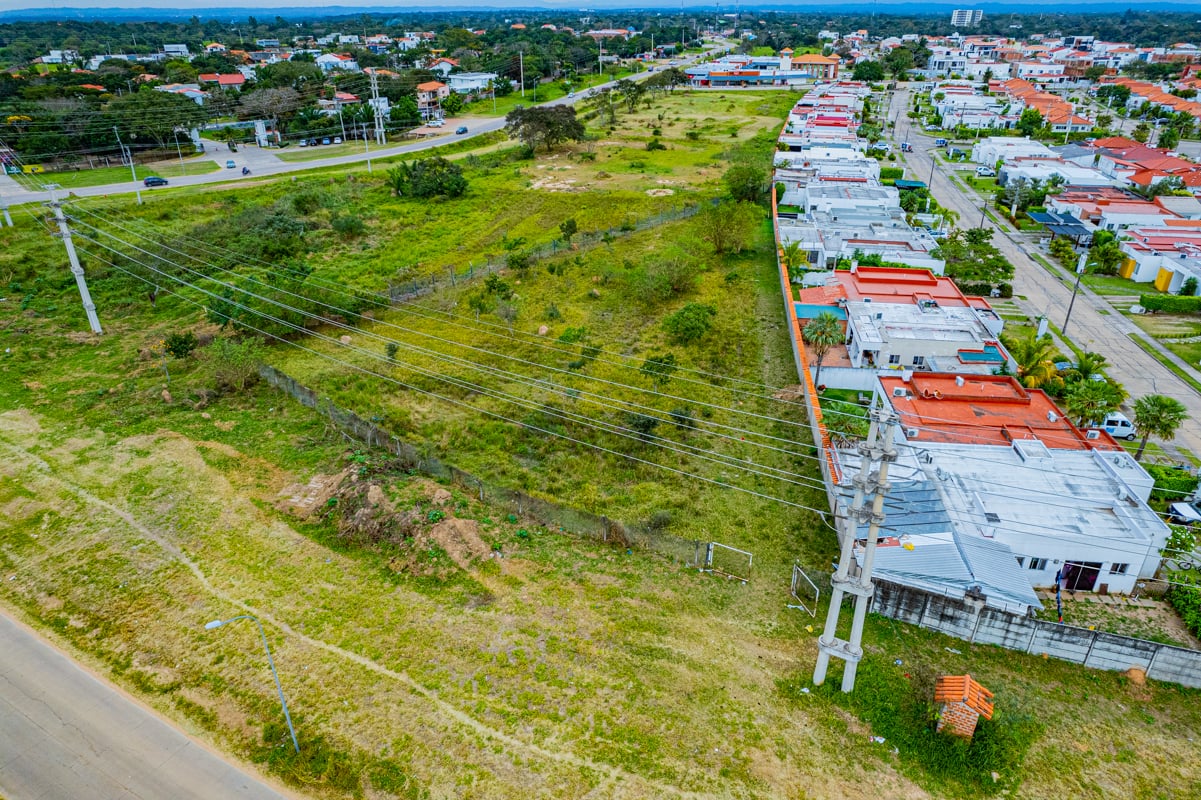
804	592
721	559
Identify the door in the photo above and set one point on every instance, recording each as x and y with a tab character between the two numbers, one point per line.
1080	576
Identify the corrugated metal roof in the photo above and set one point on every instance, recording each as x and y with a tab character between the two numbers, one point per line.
933	555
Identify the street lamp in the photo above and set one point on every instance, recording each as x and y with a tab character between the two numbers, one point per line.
1079	274
217	623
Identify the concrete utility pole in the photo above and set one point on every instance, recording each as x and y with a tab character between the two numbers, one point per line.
521	69
871	483
133	173
65	232
367	148
380	130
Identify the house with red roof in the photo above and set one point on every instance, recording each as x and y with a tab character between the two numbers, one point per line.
231	81
429	98
1166	256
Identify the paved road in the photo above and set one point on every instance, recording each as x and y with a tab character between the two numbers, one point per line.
265	163
66	735
1095	326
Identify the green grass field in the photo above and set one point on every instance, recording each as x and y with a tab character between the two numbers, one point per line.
101	175
436	644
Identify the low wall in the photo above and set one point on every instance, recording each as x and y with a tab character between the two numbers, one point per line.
974	622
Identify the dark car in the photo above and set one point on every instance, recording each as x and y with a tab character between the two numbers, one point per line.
155	180
461	129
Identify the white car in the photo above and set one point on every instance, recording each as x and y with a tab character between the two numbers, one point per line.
986	172
435	123
337	140
1119	426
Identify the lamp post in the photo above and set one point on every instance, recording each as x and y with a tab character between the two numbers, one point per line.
1079	274
217	623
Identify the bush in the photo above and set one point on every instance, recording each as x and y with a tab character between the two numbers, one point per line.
1170	484
690	323
1171	303
348	226
429	177
891	173
234	364
655	144
573	335
1187	602
180	345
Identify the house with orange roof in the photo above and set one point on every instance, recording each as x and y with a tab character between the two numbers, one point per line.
429	98
233	80
997	492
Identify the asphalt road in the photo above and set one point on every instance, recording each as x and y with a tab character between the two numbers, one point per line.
66	735
1095	326
264	163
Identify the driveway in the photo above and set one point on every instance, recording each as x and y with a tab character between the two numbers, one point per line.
1095	325
65	735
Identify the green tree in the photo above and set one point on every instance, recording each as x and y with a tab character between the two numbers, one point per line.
1088	367
1105	255
1089	401
289	74
152	114
568	229
659	367
1141	132
729	226
1159	416
794	255
452	104
1034	359
870	71
1094	73
745	182
428	177
971	257
690	323
544	126
821	335
1169	137
1030	121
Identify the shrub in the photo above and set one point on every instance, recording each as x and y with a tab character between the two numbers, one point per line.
660	520
1187	602
573	335
390	350
1170	484
887	173
428	177
692	136
234	364
1171	303
655	144
518	261
690	323
180	345
681	417
552	313
348	226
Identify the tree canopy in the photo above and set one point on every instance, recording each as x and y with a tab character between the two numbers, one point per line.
544	126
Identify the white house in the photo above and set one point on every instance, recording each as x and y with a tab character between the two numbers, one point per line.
176	51
332	61
471	82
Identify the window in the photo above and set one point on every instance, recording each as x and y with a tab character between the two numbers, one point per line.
1038	564
919	361
1118	569
1021	561
894	359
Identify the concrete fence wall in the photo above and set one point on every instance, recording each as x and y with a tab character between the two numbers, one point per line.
974	622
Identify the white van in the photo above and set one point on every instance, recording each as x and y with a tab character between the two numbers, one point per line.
1118	426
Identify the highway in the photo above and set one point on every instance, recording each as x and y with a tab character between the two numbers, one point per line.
67	735
1095	325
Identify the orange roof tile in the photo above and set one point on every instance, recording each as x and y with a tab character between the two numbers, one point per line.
962	689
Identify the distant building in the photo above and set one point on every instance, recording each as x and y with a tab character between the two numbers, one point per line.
964	17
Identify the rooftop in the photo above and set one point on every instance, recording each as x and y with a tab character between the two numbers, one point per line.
983	409
962	689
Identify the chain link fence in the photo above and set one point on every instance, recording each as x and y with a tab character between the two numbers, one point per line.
688	552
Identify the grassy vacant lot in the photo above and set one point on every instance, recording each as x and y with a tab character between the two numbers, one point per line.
94	177
436	645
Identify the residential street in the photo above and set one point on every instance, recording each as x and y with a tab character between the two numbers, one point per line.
264	162
1095	325
66	735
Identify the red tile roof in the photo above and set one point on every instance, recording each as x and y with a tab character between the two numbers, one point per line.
984	410
962	689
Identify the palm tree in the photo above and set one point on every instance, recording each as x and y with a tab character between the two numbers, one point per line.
793	255
1090	401
1089	365
821	334
1033	356
1159	416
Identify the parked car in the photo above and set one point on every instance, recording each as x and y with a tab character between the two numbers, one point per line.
940	142
461	130
932	127
303	143
230	164
1186	513
435	123
1119	426
906	147
986	172
325	140
337	140
154	180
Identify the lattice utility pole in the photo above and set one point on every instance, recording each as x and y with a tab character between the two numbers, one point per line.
380	130
65	232
871	484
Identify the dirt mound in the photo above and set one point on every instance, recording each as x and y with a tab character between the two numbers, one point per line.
460	538
303	499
